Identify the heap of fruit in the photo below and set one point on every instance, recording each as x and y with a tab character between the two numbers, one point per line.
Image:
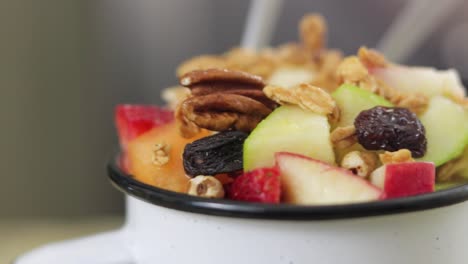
376	130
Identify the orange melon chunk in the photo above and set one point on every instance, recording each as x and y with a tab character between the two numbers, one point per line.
170	176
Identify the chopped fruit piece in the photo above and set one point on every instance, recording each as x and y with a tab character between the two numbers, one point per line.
260	185
407	179
288	128
352	100
291	76
423	80
134	120
141	155
312	182
446	126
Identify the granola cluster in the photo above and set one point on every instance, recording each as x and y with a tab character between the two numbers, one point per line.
355	70
222	92
306	96
310	57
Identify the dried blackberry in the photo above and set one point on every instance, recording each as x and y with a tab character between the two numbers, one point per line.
219	153
391	129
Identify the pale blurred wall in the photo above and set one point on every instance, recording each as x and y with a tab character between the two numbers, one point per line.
56	131
64	65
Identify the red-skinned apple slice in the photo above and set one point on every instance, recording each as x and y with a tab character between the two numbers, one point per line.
407	179
312	182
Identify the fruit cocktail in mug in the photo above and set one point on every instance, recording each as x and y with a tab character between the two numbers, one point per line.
300	124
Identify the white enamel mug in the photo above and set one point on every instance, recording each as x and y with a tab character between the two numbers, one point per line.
166	227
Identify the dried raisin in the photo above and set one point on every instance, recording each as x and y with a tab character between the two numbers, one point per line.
391	129
219	153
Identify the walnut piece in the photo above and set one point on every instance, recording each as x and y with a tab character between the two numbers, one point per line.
223	99
312	31
400	156
160	154
306	96
206	186
343	137
360	163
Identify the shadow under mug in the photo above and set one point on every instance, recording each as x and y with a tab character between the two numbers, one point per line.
167	227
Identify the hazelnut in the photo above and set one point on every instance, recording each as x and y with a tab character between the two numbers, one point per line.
206	186
360	163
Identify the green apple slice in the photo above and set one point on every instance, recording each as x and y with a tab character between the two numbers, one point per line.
288	128
352	100
446	125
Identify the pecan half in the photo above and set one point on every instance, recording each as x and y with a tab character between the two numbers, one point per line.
221	111
217	78
224	99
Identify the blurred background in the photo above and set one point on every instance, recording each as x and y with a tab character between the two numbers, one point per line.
65	64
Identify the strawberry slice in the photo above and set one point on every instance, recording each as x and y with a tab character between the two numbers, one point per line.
134	120
260	185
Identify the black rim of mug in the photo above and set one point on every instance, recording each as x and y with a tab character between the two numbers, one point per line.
228	208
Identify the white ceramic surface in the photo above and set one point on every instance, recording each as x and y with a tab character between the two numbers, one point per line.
154	234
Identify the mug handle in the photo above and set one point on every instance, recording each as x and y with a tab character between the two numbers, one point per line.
103	248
